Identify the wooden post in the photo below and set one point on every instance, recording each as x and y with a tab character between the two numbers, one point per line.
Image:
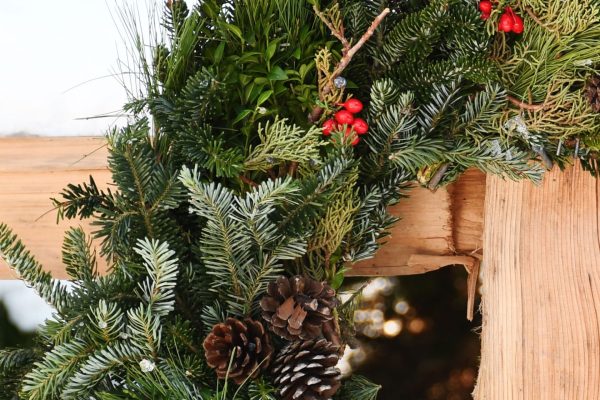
540	284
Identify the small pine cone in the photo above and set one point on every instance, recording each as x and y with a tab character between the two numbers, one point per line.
297	307
307	370
247	339
592	92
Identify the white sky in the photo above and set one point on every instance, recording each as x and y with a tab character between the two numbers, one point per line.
48	47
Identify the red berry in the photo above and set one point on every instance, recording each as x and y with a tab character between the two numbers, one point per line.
353	105
344	117
328	126
506	23
518	25
485	16
351	132
485	6
360	126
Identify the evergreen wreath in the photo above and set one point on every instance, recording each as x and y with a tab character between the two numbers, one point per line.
251	176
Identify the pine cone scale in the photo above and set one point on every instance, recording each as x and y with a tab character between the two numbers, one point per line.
243	344
307	370
592	92
297	307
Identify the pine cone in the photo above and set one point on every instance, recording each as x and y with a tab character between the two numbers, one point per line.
250	342
307	370
592	92
297	307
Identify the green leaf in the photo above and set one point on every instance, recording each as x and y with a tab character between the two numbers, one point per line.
218	56
264	96
243	114
338	279
277	74
271	48
235	30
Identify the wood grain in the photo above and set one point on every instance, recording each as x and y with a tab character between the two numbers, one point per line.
540	284
447	222
32	170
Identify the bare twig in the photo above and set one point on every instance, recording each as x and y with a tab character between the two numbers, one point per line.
248	181
526	106
437	177
365	37
347	53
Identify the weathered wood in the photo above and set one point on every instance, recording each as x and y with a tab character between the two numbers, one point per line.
540	284
34	169
448	222
445	223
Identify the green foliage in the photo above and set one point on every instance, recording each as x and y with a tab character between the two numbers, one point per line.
14	253
222	183
549	68
242	247
358	388
78	257
281	142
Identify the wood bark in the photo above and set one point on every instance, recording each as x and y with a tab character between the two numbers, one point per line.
540	284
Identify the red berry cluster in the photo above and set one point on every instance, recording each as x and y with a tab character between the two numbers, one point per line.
509	21
485	6
345	118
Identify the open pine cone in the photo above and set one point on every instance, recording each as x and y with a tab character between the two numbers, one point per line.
592	91
247	339
307	370
297	307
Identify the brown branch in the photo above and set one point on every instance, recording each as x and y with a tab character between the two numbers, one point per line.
526	106
248	181
293	168
365	37
538	21
437	177
348	52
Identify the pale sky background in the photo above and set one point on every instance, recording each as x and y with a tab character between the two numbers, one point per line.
48	47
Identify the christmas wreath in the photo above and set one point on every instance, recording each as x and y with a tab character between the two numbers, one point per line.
266	141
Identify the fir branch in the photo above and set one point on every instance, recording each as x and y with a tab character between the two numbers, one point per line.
18	258
97	367
51	374
144	330
78	257
106	322
162	268
225	250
